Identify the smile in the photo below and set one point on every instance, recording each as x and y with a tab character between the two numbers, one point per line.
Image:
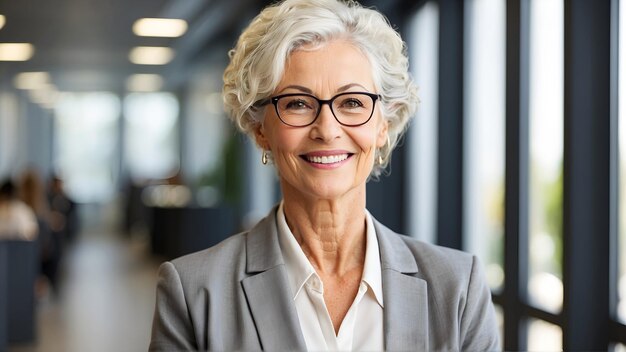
326	159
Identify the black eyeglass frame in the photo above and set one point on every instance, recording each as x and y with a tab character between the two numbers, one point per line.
329	102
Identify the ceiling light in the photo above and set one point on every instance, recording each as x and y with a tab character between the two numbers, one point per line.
31	80
2	21
160	27
47	96
151	55
143	82
16	51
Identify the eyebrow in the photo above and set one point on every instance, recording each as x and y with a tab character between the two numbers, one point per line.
348	86
300	88
308	91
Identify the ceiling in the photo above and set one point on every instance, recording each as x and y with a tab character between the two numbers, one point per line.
84	44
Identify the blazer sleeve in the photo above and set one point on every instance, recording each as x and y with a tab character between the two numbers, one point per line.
479	329
171	328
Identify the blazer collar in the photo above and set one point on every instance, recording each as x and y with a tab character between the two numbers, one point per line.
263	250
267	290
394	253
269	296
406	295
262	247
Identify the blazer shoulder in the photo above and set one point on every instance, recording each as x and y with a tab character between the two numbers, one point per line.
436	252
439	262
216	259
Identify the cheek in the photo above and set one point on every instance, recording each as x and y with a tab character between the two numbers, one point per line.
284	145
286	141
367	141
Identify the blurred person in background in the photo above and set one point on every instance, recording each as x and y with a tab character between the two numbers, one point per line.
64	218
17	220
32	193
323	88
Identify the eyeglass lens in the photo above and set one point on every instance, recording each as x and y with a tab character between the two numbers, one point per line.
349	108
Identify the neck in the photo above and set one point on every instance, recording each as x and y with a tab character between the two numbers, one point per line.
331	232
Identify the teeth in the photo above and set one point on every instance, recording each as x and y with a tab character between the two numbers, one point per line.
330	159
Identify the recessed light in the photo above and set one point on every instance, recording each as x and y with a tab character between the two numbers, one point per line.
143	82
2	21
47	96
160	27
16	51
31	80
151	55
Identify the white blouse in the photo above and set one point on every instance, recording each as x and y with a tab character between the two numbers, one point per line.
362	327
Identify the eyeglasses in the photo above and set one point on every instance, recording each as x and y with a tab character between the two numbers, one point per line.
349	109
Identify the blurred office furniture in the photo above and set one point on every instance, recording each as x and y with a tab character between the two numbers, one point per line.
3	298
178	225
178	231
20	267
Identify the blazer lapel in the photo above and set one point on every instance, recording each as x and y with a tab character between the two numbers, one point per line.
405	296
267	290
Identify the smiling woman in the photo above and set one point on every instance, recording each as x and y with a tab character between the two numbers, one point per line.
322	86
338	71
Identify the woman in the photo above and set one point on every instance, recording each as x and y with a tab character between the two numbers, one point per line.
17	220
32	193
322	86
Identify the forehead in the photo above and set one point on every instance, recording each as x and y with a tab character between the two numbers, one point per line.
335	63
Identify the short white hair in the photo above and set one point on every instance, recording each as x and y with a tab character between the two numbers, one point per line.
258	60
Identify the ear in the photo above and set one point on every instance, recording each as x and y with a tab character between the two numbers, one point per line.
383	130
259	136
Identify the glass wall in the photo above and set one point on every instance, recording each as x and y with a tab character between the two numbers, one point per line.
484	134
422	135
8	132
545	287
151	135
85	145
543	336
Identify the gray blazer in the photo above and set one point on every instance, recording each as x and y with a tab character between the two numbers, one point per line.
236	296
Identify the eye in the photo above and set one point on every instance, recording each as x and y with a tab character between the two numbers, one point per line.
296	104
351	103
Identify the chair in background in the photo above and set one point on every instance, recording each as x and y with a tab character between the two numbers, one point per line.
19	263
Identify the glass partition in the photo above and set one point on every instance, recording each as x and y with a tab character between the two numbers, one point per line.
545	286
484	134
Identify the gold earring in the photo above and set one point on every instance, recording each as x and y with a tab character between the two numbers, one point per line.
380	157
264	158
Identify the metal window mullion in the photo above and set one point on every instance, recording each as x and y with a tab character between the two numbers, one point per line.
614	171
617	332
450	125
516	174
586	198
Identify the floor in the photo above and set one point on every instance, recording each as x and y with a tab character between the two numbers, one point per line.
106	300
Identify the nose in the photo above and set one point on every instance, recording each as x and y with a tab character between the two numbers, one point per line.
326	127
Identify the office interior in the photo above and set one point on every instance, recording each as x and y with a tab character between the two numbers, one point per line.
517	154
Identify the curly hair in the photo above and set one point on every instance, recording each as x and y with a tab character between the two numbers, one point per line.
258	60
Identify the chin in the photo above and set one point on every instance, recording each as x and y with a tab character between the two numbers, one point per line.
334	190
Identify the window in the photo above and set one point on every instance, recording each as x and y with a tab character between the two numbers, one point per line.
545	287
422	136
8	132
484	135
543	336
151	135
85	153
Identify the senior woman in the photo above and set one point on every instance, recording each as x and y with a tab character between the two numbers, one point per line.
322	86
